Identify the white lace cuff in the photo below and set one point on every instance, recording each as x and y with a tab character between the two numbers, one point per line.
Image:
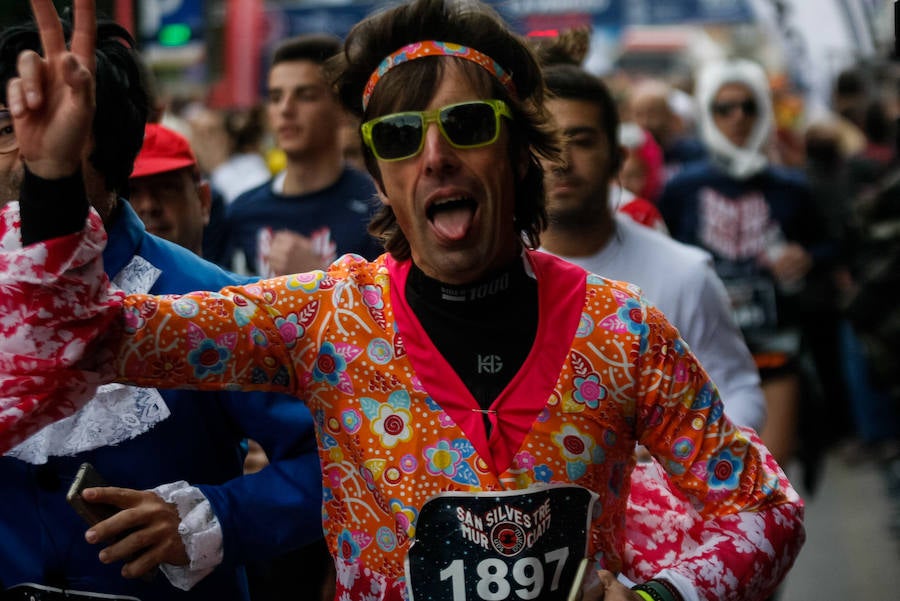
200	532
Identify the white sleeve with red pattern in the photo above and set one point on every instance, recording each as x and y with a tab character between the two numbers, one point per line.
55	300
737	557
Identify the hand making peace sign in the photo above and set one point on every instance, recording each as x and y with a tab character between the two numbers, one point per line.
52	100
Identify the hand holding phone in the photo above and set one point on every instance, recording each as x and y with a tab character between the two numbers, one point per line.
92	513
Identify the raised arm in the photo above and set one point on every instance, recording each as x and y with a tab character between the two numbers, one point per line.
52	100
52	106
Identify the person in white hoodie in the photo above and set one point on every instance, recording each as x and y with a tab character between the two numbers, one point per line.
760	224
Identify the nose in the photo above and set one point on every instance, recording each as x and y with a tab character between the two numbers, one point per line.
562	165
565	152
437	154
286	104
145	205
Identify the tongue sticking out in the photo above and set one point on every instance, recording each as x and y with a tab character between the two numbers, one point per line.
453	223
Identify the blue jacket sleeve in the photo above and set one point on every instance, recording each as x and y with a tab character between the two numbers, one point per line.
277	509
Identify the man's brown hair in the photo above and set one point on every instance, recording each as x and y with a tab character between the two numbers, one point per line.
411	85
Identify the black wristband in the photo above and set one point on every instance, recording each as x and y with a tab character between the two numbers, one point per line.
659	590
50	208
676	594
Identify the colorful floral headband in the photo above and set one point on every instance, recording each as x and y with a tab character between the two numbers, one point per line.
435	48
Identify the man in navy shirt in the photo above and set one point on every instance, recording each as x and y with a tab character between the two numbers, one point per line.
318	208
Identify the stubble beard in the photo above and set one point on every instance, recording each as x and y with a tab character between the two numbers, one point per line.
11	184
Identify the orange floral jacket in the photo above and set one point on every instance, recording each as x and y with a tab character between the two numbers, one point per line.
397	426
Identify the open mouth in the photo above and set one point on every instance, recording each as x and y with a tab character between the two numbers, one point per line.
452	217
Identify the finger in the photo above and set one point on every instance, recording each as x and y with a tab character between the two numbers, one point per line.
140	565
31	73
52	39
113	527
112	495
595	592
607	578
77	76
15	98
84	34
137	548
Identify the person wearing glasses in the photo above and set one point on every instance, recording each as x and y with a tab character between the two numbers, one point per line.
477	402
761	225
11	169
174	458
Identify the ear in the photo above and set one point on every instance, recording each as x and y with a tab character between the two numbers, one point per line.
204	193
522	164
617	161
379	187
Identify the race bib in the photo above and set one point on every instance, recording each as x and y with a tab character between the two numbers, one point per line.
752	303
492	546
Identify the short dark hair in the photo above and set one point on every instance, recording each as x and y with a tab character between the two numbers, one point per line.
245	127
412	84
313	47
570	82
122	101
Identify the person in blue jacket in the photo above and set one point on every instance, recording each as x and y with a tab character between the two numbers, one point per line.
189	536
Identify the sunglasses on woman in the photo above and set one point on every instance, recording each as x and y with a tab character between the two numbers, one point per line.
399	136
724	109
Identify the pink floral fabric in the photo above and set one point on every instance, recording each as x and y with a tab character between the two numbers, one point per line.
54	300
736	557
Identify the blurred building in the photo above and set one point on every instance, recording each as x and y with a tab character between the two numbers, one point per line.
224	45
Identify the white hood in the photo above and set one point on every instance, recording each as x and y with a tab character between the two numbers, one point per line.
739	162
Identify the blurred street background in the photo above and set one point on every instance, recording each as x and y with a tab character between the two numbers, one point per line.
218	49
852	549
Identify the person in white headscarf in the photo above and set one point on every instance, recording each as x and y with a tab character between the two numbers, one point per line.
735	115
761	225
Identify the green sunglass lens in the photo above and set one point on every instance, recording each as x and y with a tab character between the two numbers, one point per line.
469	124
398	136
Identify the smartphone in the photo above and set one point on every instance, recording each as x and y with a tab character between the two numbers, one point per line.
575	591
88	477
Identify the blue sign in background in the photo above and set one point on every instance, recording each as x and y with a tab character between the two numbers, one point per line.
667	12
521	14
189	12
157	14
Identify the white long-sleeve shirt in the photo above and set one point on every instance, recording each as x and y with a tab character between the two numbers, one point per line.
680	280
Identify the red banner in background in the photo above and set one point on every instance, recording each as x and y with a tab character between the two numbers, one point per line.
124	14
244	31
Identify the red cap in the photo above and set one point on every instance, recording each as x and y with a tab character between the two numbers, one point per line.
163	150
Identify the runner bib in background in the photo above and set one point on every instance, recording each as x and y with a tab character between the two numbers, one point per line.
492	546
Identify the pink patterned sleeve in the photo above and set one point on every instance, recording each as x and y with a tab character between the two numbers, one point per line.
55	300
741	556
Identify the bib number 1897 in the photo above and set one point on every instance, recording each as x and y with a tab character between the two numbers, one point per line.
496	580
511	545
